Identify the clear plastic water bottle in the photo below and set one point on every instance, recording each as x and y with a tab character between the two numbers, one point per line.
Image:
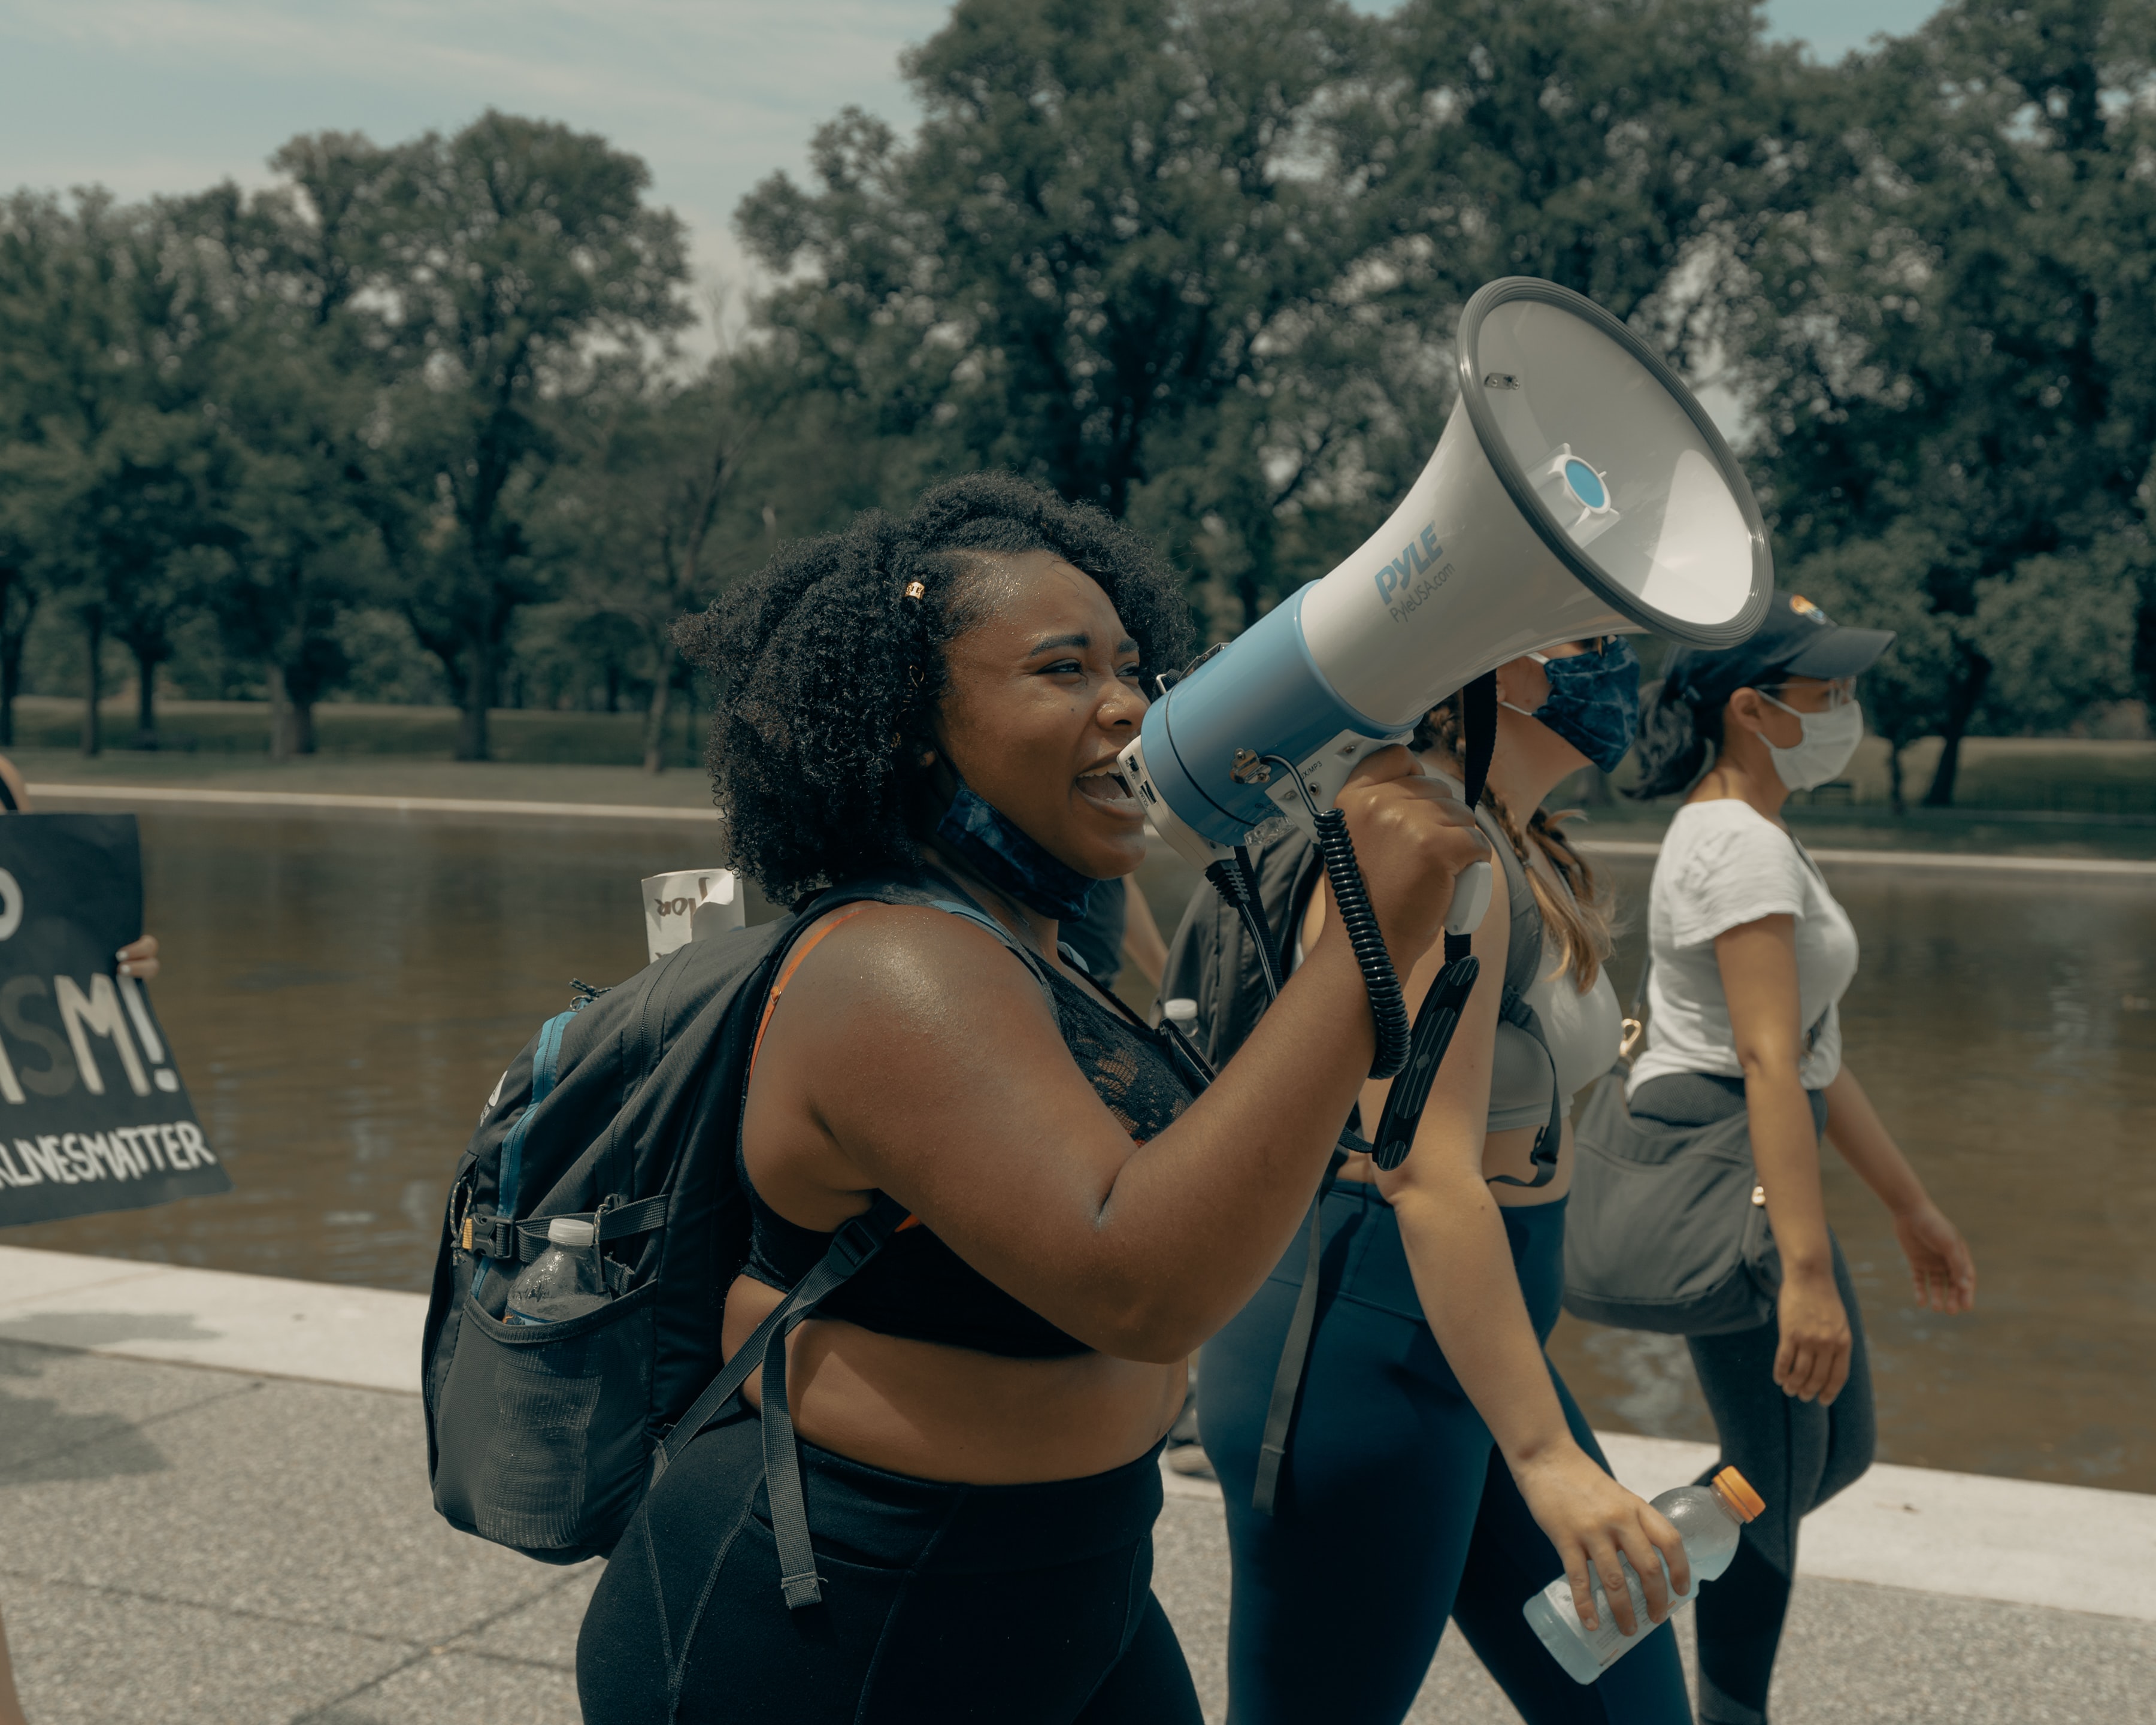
562	1283
1709	1518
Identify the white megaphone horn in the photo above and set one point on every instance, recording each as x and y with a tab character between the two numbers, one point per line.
1579	489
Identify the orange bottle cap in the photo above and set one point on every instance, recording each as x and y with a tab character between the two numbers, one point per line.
1736	1490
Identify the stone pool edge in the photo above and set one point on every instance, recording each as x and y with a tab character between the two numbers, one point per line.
2018	1541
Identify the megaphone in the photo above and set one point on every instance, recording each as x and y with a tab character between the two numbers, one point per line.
1579	489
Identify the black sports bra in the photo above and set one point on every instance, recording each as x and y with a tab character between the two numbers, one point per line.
916	1286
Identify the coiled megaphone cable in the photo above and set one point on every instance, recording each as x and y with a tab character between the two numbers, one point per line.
1388	1006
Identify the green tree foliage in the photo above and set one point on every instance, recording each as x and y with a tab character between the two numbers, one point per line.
353	387
105	317
1631	150
1201	262
1198	260
1114	257
293	398
1954	356
504	255
637	520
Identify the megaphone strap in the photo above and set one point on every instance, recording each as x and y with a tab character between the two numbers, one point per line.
1478	741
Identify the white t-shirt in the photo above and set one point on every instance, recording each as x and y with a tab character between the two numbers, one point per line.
1722	864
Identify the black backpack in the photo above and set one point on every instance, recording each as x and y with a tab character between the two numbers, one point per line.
625	1111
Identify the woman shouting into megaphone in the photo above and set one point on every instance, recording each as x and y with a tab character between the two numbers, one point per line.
939	702
1435	1465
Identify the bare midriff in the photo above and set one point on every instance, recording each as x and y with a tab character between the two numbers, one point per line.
1506	1152
941	1412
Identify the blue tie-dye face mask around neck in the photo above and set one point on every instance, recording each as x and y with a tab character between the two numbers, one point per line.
992	845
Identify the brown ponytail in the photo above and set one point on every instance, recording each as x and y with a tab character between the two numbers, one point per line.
1579	918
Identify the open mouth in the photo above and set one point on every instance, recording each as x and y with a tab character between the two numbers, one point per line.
1108	789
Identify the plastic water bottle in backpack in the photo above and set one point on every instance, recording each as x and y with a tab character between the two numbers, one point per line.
1709	1518
562	1283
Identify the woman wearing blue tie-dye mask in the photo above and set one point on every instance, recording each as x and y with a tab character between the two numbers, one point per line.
1436	1467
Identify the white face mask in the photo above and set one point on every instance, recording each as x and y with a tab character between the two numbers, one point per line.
1828	745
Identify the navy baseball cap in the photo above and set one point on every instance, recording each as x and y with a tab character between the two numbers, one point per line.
1795	639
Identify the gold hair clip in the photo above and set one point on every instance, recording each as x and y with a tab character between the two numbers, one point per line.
914	589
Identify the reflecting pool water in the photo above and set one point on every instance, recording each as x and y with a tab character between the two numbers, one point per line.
342	991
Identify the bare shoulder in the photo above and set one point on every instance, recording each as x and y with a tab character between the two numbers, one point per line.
905	971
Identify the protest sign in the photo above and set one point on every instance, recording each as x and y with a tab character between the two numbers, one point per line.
92	1116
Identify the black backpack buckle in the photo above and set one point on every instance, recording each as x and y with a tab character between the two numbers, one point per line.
857	1241
489	1236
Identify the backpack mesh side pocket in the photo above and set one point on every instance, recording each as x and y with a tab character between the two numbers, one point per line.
560	1410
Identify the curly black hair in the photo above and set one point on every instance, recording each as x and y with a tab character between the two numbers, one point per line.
830	673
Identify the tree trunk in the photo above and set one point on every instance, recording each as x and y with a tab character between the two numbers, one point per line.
93	622
1894	787
145	702
282	729
654	716
1959	714
1939	794
13	635
479	693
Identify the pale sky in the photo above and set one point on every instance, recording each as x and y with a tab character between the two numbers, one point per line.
172	95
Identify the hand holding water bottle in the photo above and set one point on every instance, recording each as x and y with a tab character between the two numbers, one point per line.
1602	1534
1709	1518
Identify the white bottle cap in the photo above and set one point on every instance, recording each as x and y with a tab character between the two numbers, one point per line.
573	1231
1180	1011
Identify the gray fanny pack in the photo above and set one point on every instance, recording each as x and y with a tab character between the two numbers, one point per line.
1667	1228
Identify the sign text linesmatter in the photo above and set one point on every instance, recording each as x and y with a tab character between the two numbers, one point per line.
93	1115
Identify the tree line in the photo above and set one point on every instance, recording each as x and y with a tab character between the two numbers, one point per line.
1198	262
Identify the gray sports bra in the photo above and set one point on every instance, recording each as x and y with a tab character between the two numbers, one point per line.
1521	1074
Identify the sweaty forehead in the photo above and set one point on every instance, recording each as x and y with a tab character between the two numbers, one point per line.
1034	592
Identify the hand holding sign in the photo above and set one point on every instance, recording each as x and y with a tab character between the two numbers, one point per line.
92	1116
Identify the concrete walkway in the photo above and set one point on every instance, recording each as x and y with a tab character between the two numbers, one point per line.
215	1509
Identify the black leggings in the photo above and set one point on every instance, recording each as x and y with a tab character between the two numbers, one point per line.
1014	1604
1394	1509
1797	1455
